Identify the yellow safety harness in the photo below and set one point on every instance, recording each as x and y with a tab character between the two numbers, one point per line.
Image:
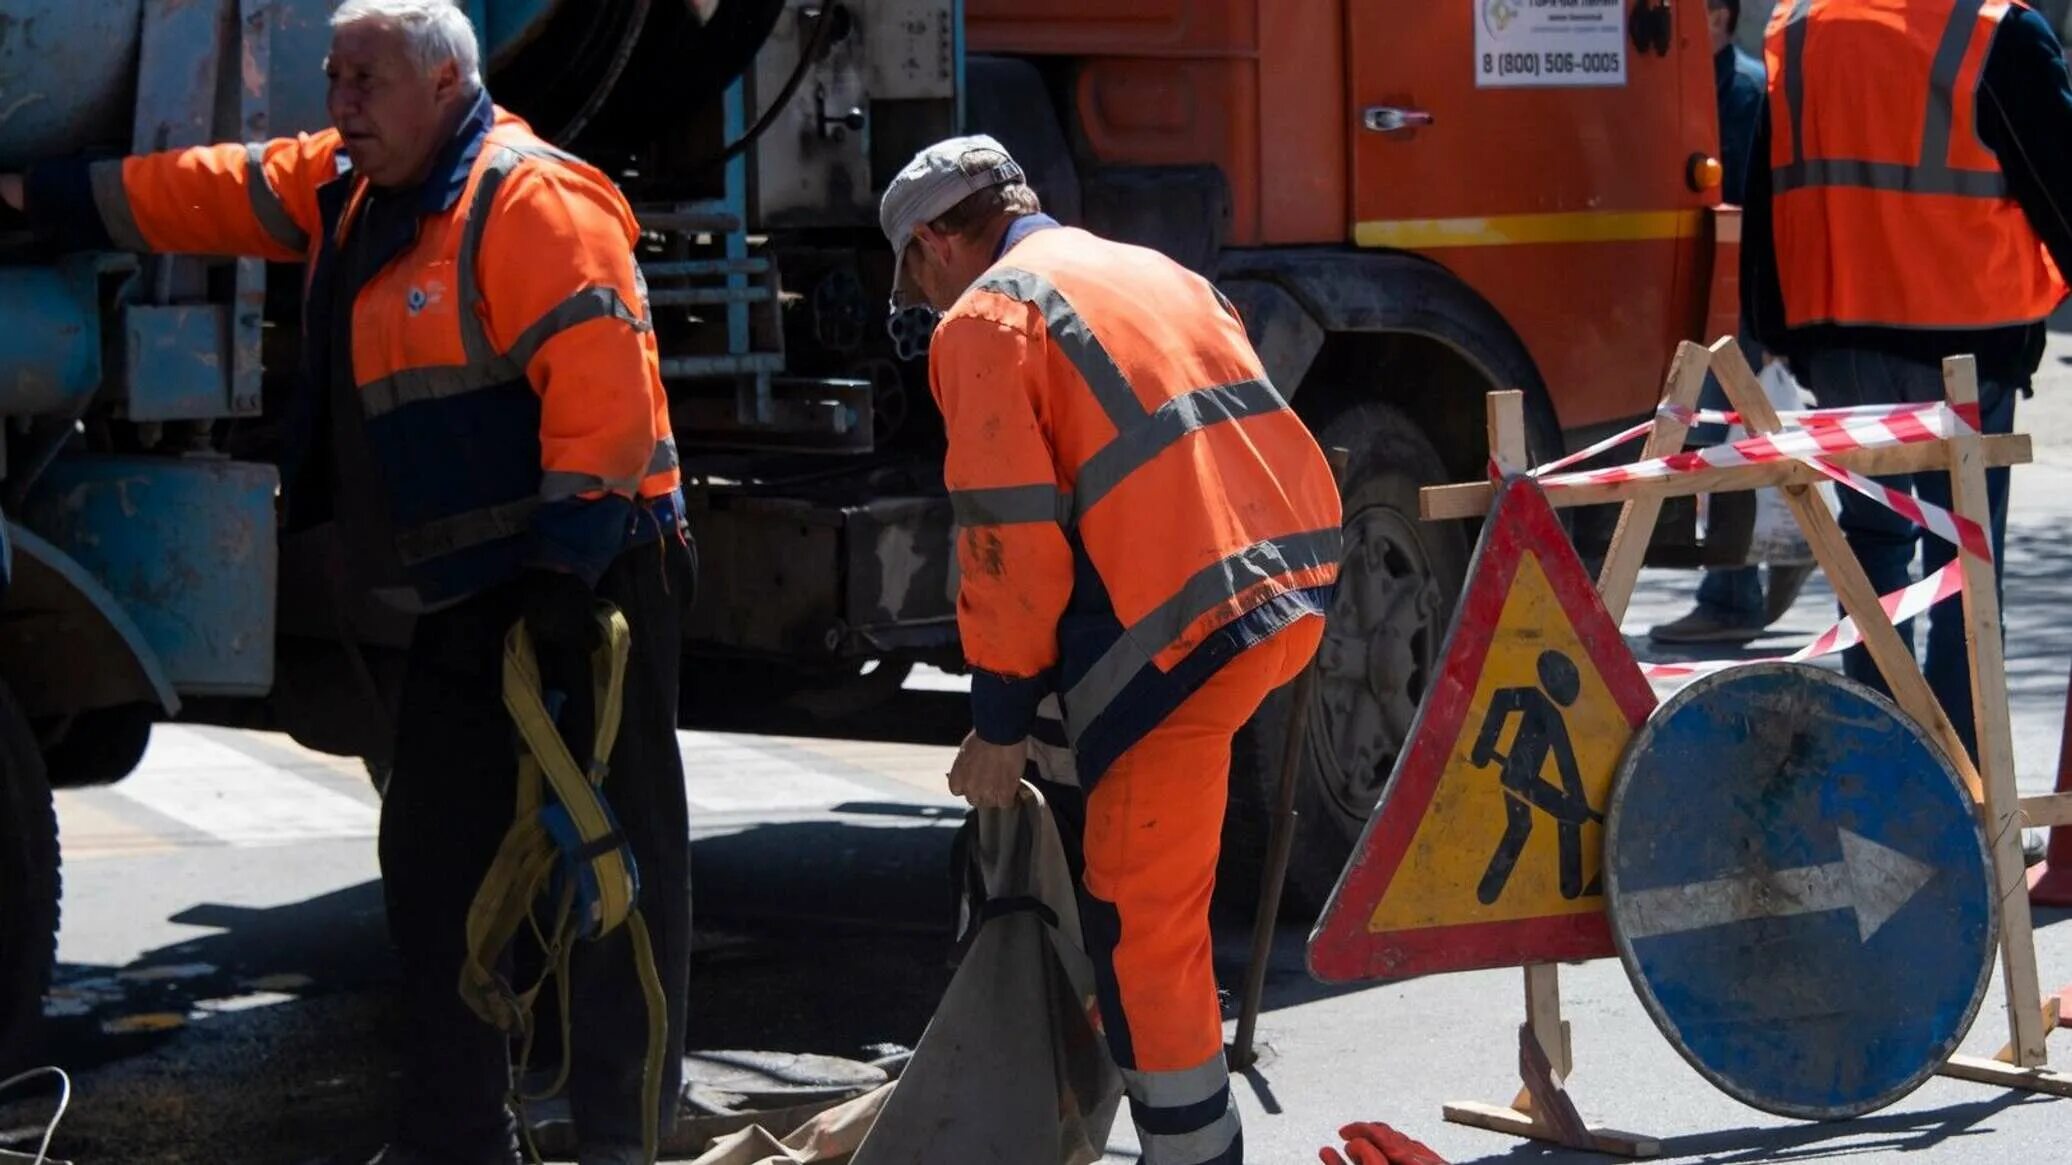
568	849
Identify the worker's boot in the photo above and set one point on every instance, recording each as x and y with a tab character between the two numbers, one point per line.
1704	625
1782	590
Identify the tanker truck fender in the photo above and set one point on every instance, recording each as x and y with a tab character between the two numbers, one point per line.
66	644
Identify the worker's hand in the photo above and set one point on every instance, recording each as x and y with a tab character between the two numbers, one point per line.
988	775
12	192
560	613
1372	1143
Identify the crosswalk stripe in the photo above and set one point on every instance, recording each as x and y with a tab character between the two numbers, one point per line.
734	774
201	785
225	794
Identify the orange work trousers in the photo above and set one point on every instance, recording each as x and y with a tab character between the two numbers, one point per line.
1143	846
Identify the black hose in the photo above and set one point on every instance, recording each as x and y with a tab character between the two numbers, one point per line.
814	47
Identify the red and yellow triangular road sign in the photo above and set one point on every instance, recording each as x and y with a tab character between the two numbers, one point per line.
1486	848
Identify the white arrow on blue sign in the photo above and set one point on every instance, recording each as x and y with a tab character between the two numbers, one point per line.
1799	890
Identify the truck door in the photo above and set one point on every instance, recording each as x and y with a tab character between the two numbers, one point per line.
1541	154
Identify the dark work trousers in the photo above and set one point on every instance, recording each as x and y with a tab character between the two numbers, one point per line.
1887	544
449	802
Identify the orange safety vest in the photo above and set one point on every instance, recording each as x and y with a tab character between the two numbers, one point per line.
1888	210
1135	502
505	364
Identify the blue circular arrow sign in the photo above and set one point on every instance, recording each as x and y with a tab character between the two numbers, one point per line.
1799	889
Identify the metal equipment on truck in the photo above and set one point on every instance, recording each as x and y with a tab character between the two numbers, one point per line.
1411	202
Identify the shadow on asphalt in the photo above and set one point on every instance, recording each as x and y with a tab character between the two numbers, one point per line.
1907	1132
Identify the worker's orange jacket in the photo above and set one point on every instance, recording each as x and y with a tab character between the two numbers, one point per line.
1135	503
1889	211
498	338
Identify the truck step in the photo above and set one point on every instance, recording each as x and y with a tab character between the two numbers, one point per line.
689	268
748	363
685	296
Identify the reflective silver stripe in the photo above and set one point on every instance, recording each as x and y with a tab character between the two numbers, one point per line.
1942	83
1137	447
1851	173
112	200
1010	505
474	335
1182	1090
1795	76
664	457
1211	586
1179	1089
1931	172
462	531
1204	1146
1072	336
412	385
557	485
266	205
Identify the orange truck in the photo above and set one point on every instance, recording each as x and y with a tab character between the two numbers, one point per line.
1412	202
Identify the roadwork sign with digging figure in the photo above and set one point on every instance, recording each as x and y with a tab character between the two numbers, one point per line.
1486	851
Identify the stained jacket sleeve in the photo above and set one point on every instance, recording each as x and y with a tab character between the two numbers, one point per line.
251	198
1015	563
564	303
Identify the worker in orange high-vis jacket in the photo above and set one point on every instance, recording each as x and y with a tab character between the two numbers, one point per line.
1907	202
1147	533
481	415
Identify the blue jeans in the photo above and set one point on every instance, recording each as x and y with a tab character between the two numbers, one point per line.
1731	594
1884	542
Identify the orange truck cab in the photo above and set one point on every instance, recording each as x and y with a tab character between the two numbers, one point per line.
1412	202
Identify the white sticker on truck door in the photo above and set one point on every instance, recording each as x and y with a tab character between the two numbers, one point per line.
1547	43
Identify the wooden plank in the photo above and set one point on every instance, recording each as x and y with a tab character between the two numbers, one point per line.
1980	1070
1507	449
1497	1119
1506	418
2003	817
2047	811
1621	570
1473	499
2053	1016
1831	549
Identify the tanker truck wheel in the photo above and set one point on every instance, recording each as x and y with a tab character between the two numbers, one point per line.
1397	585
28	886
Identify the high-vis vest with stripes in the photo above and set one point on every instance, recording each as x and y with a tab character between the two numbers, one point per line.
1135	503
1888	209
505	365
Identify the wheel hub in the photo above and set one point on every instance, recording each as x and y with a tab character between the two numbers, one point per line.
1378	655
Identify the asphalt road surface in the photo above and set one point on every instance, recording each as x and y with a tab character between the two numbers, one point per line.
224	978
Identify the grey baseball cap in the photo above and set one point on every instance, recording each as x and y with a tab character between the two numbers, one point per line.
930	185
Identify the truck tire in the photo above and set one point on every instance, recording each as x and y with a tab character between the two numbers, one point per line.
100	747
1397	587
29	886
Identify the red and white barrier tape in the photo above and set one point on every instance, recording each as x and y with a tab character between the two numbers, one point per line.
1899	606
1827	431
1808	419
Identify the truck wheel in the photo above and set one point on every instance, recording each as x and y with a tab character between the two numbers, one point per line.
99	747
1382	643
28	885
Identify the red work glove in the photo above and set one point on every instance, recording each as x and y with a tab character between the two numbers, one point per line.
1371	1143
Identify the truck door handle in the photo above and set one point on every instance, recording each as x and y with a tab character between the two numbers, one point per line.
1389	119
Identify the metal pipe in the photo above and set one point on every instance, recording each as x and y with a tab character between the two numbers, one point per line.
1279	845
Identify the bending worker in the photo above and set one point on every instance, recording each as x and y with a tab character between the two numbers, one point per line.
1905	205
481	413
1144	529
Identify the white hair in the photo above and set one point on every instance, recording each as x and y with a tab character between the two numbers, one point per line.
436	31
